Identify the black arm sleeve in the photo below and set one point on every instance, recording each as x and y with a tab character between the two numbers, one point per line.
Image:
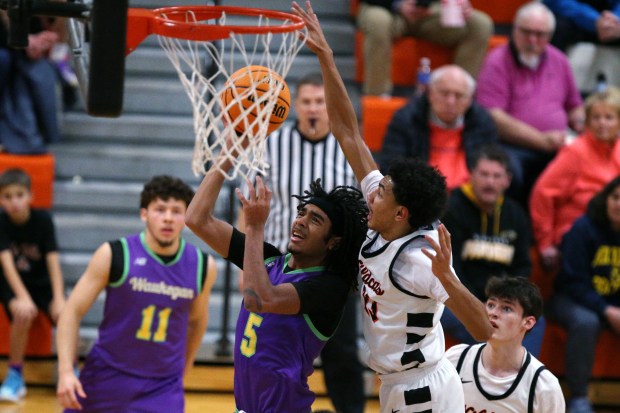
236	250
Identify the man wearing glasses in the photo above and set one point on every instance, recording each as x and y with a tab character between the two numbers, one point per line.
530	90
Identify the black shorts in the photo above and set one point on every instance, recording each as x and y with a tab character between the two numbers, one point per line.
40	294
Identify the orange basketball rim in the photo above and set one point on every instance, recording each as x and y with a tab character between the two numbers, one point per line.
199	23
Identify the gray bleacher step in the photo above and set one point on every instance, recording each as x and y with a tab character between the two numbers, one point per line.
135	163
149	61
100	196
86	232
150	95
130	128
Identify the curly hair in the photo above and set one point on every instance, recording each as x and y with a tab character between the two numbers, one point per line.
342	260
165	187
597	207
420	188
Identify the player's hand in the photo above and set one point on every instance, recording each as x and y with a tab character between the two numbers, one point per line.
69	387
315	38
440	261
23	309
256	205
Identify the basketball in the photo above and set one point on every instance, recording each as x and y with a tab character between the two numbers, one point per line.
240	87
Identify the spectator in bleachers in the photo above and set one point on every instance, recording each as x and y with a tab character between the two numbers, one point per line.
384	21
29	80
30	275
580	169
490	236
592	21
587	293
530	90
441	127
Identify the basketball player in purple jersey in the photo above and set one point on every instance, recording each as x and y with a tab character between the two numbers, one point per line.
292	302
156	310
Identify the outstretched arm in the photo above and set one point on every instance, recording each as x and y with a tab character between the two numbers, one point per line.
199	216
342	119
467	308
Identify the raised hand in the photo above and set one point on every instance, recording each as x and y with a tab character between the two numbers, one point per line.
256	205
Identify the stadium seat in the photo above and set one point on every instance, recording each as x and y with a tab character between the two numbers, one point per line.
41	171
376	115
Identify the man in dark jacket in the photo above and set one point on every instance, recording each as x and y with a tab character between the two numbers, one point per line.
490	236
442	127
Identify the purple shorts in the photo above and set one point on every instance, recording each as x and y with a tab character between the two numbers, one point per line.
111	390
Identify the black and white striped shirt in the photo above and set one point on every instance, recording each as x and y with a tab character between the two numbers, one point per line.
295	161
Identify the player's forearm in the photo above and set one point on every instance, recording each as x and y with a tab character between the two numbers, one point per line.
257	287
67	340
469	310
195	332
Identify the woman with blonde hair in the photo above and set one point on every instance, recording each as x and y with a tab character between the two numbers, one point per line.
575	175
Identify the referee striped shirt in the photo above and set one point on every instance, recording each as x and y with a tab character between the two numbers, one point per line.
295	161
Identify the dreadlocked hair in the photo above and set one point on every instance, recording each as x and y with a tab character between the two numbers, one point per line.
343	259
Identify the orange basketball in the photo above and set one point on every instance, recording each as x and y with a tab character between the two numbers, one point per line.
240	86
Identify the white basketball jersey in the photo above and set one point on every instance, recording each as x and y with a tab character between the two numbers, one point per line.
534	389
403	302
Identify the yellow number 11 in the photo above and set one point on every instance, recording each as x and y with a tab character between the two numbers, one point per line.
144	333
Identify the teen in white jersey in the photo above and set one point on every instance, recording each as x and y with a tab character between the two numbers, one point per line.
403	292
501	375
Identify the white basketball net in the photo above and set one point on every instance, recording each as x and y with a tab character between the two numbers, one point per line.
275	51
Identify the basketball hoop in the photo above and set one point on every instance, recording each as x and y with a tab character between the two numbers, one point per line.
245	37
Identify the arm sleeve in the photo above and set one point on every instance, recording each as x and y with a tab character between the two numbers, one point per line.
578	249
550	191
580	13
370	183
236	250
323	293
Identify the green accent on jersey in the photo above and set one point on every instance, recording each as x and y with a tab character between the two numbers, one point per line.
199	270
316	332
156	258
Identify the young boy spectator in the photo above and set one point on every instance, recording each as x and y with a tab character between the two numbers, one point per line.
30	274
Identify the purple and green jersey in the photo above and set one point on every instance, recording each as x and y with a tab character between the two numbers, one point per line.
274	353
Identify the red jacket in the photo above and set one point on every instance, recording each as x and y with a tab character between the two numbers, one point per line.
565	187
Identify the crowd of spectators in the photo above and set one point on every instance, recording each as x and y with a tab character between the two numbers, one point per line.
527	192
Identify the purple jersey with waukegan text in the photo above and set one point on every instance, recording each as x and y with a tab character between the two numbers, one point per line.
274	352
144	328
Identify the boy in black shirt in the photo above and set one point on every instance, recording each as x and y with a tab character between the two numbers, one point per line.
30	274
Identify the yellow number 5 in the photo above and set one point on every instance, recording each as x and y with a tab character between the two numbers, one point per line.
248	344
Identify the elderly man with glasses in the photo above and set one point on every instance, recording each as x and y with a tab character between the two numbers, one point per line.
530	90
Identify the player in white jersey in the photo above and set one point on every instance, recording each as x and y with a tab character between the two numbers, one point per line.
403	291
501	375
